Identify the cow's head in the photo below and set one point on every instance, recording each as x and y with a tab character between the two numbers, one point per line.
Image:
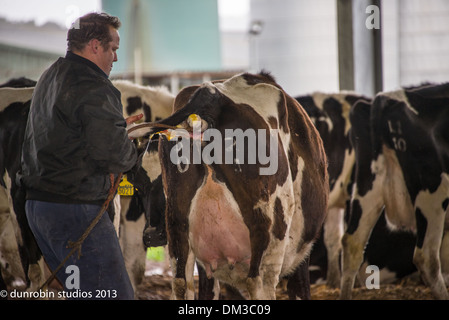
149	195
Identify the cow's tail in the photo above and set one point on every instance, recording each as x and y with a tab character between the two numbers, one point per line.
376	124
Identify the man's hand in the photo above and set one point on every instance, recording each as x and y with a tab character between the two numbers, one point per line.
133	119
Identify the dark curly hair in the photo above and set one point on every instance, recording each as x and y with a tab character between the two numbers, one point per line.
91	26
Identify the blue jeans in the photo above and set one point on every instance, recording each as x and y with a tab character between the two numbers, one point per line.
102	273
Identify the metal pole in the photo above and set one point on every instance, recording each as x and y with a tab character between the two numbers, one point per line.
377	48
345	45
367	33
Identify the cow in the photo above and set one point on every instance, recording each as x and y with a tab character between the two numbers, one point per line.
401	147
14	108
330	114
247	224
154	102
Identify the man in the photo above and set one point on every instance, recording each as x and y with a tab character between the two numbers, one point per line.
75	138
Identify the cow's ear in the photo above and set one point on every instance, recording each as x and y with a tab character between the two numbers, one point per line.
183	97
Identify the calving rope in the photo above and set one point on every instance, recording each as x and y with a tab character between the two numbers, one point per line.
76	246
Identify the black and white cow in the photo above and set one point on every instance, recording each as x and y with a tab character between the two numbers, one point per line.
401	143
14	108
330	115
155	103
390	250
244	223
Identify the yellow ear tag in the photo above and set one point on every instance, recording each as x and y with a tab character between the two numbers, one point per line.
125	187
194	117
171	134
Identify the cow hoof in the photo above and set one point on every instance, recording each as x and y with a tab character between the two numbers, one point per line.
255	288
179	289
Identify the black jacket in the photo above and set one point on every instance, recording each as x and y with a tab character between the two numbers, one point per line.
75	136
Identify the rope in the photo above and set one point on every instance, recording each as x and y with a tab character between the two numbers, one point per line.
150	125
77	244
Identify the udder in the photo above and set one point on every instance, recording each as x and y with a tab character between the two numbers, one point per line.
218	235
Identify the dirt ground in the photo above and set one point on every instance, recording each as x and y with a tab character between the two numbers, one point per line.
158	287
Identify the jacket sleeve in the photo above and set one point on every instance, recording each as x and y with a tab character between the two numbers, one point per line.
107	143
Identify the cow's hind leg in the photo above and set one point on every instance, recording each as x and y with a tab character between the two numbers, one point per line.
427	251
263	285
333	232
208	289
444	256
265	264
182	285
364	215
298	285
182	263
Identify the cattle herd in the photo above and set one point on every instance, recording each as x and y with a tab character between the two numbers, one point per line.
253	186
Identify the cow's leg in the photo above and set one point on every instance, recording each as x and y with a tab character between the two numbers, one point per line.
364	215
179	253
444	251
263	286
30	252
2	287
190	267
264	269
178	285
333	232
208	289
182	284
216	289
444	256
11	265
430	228
205	285
299	282
132	246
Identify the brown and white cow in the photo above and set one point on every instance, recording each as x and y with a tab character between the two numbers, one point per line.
246	224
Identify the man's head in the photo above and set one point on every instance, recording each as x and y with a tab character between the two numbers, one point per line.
94	36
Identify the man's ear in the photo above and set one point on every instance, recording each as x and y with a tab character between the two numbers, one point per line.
94	45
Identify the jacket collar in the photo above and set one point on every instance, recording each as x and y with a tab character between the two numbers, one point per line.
74	57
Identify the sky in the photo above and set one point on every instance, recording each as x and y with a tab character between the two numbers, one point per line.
64	12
